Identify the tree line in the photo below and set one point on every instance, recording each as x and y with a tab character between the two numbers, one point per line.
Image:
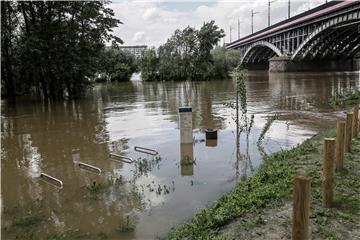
52	48
189	54
55	50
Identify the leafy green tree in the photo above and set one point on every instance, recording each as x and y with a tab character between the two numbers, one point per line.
54	45
8	50
186	55
225	60
117	64
208	36
149	65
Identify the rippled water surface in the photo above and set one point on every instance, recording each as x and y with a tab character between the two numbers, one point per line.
143	200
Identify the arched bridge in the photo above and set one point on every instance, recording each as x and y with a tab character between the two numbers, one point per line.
330	31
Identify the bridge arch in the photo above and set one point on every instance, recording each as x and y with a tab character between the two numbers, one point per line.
258	44
324	29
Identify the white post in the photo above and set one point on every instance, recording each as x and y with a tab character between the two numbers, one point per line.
186	132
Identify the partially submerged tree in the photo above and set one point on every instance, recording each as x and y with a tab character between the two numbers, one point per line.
117	64
52	47
185	56
149	64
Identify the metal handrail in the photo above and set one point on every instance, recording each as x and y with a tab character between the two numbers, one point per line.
122	158
89	167
146	150
46	176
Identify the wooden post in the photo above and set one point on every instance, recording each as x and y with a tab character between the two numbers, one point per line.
328	171
340	137
301	208
348	132
355	126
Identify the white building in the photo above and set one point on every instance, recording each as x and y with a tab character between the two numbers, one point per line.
137	51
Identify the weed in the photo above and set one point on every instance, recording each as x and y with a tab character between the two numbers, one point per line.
27	221
346	99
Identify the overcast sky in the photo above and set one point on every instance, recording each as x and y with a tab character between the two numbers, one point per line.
152	22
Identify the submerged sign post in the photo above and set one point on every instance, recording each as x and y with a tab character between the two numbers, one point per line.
185	114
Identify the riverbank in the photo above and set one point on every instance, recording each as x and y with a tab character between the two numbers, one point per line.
261	206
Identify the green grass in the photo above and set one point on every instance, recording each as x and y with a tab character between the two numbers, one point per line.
271	186
266	188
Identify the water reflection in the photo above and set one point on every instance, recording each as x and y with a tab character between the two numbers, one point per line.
146	199
211	142
187	159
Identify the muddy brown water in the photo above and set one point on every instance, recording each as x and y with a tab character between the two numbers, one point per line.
144	200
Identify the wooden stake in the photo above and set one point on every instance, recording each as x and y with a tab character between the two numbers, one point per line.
301	208
328	171
355	126
348	132
340	137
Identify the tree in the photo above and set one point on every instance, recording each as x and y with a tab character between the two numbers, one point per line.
225	60
186	55
8	39
149	65
117	64
56	44
208	36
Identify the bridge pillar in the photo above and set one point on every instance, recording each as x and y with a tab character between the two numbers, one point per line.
280	64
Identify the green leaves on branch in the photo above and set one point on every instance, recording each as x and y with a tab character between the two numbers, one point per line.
117	64
239	75
187	55
51	48
149	64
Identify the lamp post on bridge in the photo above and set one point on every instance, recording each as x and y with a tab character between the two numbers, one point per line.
239	22
252	20
289	9
269	3
230	32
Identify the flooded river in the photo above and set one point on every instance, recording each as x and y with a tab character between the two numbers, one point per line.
144	200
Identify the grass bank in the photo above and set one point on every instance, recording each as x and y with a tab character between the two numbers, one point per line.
260	207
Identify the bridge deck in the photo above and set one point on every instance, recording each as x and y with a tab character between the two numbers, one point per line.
314	13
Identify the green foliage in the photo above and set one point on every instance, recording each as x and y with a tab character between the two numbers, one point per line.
185	56
117	64
271	183
96	189
28	221
143	166
240	75
51	48
149	64
225	60
347	99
